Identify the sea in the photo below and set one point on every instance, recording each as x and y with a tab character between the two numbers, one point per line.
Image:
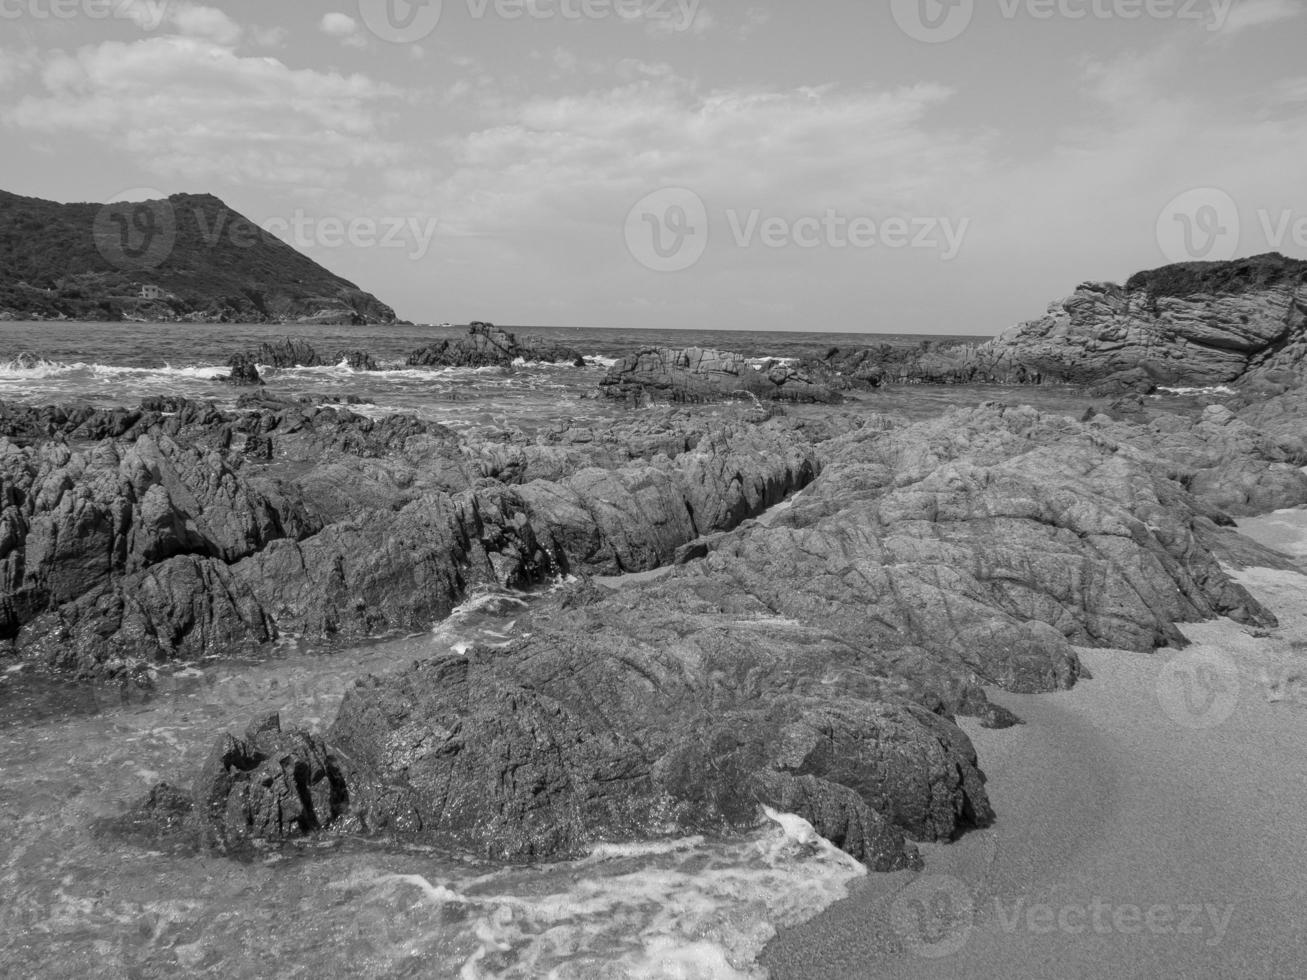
74	904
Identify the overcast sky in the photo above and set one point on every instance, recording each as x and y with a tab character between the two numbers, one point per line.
924	166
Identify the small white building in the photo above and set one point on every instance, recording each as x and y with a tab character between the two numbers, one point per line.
149	291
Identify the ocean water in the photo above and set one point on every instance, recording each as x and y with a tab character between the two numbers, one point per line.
112	365
76	905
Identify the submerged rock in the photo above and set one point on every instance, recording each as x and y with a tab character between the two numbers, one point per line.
489	346
696	375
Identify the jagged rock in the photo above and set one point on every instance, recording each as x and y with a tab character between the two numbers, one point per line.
244	371
1196	324
695	375
812	662
269	784
146	549
489	346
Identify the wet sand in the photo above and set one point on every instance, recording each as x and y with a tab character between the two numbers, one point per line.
1152	824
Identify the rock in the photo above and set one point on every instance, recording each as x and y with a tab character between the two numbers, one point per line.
1198	324
488	346
695	375
147	549
267	785
244	371
814	663
293	352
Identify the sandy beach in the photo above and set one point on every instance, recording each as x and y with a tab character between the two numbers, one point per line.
1150	824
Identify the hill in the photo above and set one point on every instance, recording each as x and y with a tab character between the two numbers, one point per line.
187	258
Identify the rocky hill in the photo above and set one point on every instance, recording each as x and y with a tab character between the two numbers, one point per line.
187	258
1195	324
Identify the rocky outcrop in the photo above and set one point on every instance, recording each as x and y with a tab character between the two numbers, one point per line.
291	352
201	533
813	662
696	375
244	372
1198	324
488	346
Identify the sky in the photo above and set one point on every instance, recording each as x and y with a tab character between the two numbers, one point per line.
885	166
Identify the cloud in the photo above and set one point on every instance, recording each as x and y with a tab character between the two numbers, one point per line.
193	20
16	65
191	108
1247	14
589	158
343	27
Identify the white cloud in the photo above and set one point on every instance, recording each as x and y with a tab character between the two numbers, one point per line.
1246	14
588	158
193	20
343	27
191	108
16	65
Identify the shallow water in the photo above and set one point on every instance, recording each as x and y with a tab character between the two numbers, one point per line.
78	905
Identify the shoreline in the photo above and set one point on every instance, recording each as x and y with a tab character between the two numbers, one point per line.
1135	838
